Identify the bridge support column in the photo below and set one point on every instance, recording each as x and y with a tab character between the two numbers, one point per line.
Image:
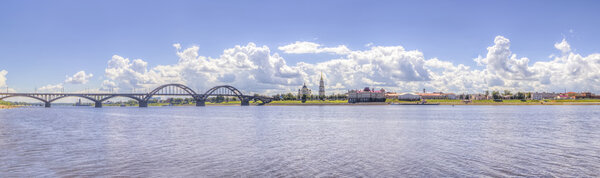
98	104
245	102
200	103
143	104
47	104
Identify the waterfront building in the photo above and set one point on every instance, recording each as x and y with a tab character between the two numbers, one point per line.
409	97
479	97
437	95
366	95
543	95
575	95
567	95
304	91
587	95
391	95
322	88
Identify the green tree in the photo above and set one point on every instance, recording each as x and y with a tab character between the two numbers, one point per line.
520	95
220	99
496	95
507	92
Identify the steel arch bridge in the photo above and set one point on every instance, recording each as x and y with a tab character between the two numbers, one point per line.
143	98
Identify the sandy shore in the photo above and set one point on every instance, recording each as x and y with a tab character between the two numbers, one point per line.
7	106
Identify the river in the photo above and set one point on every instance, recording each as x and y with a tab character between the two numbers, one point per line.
301	141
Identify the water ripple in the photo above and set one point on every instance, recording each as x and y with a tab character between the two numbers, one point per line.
333	141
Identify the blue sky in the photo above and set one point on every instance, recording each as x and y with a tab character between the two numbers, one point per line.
41	42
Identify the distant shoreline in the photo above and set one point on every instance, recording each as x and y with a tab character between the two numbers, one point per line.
367	104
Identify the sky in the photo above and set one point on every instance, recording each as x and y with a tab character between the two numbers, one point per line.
273	47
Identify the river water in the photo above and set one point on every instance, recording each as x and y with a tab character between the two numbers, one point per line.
301	141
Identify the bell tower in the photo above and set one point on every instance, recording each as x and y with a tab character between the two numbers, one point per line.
322	88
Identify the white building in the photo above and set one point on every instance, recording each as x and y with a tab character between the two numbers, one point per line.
409	97
438	95
543	96
479	97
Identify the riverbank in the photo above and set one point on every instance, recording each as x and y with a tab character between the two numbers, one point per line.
441	102
345	103
324	103
509	102
7	106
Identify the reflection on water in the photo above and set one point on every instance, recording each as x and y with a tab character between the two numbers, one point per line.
306	141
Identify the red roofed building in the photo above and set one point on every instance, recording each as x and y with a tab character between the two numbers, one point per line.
366	95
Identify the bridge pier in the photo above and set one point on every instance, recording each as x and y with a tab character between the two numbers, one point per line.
98	104
143	104
47	104
245	102
200	103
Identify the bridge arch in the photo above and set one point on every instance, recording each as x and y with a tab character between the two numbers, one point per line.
77	96
262	99
234	92
186	89
46	103
27	96
139	100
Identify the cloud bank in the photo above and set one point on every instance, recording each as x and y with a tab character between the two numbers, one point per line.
257	69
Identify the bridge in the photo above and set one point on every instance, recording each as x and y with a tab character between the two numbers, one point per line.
143	98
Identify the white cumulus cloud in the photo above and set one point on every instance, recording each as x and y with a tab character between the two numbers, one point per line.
3	78
563	46
79	78
502	62
51	88
304	47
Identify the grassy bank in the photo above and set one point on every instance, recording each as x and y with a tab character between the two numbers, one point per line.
309	102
